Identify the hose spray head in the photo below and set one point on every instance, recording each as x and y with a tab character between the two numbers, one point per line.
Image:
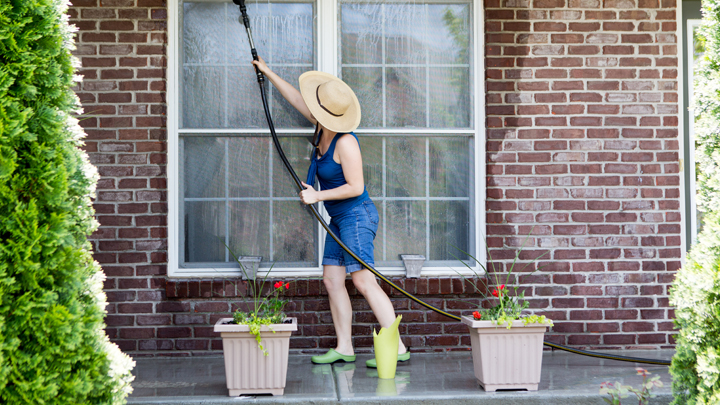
243	19
243	14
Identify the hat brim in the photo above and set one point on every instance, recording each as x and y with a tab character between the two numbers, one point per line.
348	122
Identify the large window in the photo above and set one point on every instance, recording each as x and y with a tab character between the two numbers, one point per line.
412	65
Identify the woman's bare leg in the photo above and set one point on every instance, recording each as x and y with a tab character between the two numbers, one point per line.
334	280
381	306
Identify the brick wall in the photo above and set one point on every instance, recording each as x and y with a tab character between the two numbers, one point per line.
582	151
197	304
582	107
121	44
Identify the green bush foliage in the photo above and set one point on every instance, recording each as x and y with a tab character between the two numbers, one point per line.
696	290
695	295
53	349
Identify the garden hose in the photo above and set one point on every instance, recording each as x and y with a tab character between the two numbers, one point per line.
261	82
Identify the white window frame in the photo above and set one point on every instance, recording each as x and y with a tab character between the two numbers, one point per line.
691	188
327	58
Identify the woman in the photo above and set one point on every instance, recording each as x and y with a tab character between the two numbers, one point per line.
333	108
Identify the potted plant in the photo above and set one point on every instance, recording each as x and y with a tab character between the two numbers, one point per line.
256	343
507	343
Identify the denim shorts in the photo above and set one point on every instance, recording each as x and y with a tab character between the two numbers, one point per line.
356	229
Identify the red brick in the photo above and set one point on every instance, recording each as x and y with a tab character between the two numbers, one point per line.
134	308
604	327
117	25
652	338
583	50
549	26
600	15
637	38
618	339
567	38
583	339
602	303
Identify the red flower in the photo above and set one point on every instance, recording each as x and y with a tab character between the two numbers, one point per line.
287	286
477	315
495	293
278	284
502	287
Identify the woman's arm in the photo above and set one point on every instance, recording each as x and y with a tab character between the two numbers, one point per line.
291	94
351	162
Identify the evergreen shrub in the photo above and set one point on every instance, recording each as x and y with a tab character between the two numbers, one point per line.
696	290
53	349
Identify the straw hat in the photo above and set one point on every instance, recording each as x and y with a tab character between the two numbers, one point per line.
331	101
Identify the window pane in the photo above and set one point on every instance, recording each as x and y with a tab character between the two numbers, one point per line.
367	83
204	166
204	231
292	33
250	229
450	167
362	33
203	97
238	47
249	166
406	167
449	97
244	105
294	235
380	235
406	88
404	42
284	115
405	228
372	154
450	28
449	230
204	32
297	150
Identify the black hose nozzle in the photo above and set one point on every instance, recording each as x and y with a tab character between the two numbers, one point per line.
246	22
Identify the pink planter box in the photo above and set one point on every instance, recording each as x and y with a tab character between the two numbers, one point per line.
247	369
506	358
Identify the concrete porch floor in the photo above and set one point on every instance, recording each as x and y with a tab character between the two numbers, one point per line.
428	379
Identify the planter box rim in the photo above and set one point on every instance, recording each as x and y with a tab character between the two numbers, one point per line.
517	323
222	325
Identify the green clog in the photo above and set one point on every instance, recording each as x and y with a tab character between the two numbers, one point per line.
331	357
401	357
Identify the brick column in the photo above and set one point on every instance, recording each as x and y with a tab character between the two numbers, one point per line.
121	45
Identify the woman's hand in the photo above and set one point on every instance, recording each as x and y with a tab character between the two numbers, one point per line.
261	65
309	195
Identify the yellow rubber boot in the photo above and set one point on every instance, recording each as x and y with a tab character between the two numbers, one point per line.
386	349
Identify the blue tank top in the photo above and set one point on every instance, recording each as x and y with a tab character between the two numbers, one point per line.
330	175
